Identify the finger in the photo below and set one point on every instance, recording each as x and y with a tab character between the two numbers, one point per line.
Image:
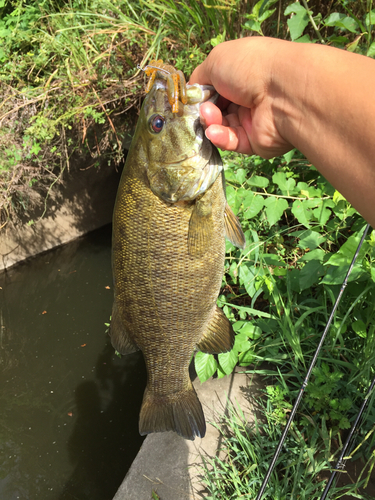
210	114
201	75
229	138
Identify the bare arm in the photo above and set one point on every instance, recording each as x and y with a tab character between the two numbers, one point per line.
281	95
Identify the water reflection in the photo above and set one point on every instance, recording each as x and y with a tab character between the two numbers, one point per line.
68	425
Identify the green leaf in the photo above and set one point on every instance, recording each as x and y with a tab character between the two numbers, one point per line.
336	274
304	39
240	175
271	259
289	155
253	204
234	200
316	254
252	25
323	212
287	186
241	343
251	331
258	181
345	254
345	404
371	49
294	8
298	23
205	365
360	328
370	18
227	362
338	41
310	274
309	239
309	191
219	39
341	21
344	423
266	14
246	358
247	277
302	211
292	278
274	209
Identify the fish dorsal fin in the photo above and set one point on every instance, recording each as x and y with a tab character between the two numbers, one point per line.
219	336
201	228
233	229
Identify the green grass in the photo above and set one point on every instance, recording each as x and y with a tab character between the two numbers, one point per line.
299	473
68	71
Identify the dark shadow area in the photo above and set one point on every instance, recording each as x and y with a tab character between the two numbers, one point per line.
105	437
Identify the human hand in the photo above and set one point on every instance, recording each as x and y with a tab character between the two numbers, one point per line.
242	72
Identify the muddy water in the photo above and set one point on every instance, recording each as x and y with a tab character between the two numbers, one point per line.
68	405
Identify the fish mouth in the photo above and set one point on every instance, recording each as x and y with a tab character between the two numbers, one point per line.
178	163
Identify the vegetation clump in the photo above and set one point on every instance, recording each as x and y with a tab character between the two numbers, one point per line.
70	87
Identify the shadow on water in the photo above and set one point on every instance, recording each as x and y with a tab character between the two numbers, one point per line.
69	406
101	445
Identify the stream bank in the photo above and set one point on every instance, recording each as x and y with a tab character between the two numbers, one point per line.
83	203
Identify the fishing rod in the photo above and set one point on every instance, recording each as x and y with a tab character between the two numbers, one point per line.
340	465
306	380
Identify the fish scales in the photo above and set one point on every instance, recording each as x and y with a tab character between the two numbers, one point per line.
165	293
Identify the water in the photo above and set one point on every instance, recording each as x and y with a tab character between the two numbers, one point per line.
69	405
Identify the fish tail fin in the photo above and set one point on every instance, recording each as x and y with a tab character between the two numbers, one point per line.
180	412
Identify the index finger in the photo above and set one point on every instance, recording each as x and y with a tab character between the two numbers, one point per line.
201	74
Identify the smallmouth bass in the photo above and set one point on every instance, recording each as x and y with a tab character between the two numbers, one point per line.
169	226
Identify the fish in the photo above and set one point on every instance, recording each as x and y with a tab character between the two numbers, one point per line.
170	221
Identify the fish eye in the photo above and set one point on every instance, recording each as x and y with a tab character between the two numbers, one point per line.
156	123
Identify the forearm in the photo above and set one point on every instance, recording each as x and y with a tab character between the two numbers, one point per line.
318	99
324	105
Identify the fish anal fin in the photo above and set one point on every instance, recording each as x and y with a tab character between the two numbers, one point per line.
120	338
201	228
180	412
233	229
219	336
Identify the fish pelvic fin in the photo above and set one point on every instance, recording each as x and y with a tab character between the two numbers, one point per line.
201	228
120	338
180	412
219	336
233	229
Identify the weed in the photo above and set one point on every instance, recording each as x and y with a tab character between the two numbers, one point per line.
249	448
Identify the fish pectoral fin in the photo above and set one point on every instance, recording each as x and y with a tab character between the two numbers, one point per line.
219	336
120	338
233	229
201	229
180	412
